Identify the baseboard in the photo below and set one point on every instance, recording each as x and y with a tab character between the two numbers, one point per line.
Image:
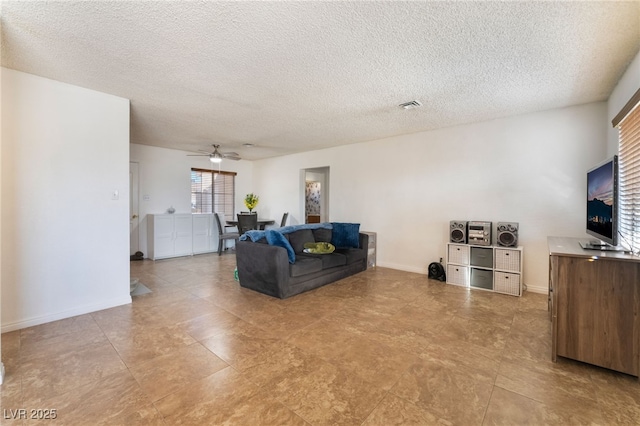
531	288
538	289
80	310
404	268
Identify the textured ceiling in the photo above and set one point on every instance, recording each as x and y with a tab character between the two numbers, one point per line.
299	76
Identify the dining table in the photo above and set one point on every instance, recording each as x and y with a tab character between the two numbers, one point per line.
261	223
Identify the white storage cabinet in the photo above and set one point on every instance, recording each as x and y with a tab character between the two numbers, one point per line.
170	235
205	233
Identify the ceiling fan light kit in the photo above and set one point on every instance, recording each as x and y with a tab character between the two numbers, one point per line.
217	156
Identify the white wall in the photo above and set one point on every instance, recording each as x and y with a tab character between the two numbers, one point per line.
65	242
626	87
528	169
165	181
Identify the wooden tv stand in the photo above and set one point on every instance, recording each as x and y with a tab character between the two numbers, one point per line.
594	301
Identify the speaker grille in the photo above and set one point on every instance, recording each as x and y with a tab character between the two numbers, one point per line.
507	234
506	239
458	231
457	236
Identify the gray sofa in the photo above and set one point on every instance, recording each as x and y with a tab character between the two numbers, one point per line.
268	267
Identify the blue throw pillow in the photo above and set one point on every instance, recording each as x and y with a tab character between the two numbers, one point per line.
275	238
346	235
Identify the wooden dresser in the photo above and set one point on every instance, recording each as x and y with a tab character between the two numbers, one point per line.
594	302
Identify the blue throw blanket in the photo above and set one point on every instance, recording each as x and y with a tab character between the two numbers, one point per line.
275	237
256	235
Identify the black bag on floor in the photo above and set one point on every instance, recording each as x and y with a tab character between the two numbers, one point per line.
436	272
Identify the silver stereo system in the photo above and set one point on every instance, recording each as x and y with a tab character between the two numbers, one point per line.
507	234
458	231
479	233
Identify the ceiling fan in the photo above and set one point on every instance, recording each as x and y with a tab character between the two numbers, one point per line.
217	156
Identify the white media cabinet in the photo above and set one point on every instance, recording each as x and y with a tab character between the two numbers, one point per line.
181	234
491	268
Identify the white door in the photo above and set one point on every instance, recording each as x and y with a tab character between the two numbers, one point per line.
134	218
320	176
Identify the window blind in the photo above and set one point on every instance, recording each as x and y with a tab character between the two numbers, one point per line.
213	192
201	191
629	171
223	195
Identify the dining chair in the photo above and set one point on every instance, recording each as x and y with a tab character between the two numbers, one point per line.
247	222
223	236
284	219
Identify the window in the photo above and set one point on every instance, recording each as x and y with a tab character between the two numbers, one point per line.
628	123
213	192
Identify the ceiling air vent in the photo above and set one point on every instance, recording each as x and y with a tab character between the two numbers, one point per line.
410	105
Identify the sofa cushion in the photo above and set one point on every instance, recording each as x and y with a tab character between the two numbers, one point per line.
328	260
299	238
352	255
345	235
332	260
305	265
322	235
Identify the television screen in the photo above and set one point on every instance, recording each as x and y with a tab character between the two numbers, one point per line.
602	199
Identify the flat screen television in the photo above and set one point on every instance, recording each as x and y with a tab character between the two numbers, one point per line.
602	204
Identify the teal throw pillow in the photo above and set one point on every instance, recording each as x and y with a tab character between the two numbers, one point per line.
346	235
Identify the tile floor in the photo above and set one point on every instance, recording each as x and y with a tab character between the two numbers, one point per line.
381	348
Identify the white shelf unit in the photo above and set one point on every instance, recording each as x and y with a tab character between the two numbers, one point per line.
371	250
491	268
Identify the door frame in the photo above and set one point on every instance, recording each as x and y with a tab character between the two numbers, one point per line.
134	207
317	174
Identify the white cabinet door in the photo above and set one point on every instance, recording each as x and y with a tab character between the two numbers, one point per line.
161	233
183	230
170	235
203	233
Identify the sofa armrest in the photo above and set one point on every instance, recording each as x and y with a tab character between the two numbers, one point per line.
364	241
364	244
262	267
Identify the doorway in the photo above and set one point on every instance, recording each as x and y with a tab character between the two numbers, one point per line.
316	195
134	216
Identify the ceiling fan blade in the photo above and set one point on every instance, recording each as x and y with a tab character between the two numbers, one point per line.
231	156
217	154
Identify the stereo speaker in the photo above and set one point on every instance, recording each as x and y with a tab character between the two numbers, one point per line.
507	234
458	232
